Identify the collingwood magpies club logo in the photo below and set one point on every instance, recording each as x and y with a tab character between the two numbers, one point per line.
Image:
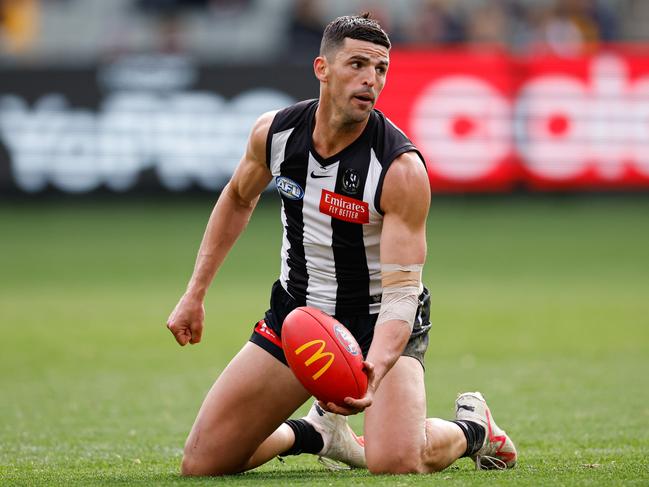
351	181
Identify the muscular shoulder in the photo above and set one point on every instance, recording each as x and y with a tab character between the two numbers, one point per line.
406	190
258	136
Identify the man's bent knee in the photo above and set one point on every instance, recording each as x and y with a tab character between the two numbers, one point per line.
394	463
197	466
192	468
404	462
395	468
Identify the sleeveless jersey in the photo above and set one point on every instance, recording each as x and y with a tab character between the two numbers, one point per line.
331	210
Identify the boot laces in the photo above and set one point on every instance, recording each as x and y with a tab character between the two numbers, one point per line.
486	462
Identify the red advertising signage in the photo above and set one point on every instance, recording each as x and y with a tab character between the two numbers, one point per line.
487	121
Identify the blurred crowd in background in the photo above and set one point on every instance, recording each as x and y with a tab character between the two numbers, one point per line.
45	32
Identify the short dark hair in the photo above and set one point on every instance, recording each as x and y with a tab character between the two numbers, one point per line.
360	27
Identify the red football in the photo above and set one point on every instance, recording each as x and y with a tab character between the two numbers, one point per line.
323	355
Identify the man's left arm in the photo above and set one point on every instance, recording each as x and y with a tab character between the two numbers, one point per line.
405	202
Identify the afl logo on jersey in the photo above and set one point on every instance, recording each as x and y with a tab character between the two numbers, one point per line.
289	188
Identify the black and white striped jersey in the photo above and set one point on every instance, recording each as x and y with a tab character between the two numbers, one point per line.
331	210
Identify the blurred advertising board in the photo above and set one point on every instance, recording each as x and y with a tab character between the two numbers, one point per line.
487	121
140	122
484	120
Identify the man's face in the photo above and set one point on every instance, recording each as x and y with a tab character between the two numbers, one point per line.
356	77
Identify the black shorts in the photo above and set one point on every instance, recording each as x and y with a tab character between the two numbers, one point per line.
268	331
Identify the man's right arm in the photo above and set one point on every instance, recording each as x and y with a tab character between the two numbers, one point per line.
228	219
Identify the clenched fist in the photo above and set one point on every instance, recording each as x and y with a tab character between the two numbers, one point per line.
186	320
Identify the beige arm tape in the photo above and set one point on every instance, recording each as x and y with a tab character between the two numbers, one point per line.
401	289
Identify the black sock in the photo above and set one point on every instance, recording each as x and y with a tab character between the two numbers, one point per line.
307	439
474	434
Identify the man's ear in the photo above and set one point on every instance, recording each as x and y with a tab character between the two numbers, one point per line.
321	68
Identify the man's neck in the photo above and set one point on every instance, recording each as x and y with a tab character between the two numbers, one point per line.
330	134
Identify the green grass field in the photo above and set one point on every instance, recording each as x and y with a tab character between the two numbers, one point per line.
542	304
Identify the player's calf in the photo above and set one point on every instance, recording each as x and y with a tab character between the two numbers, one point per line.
438	448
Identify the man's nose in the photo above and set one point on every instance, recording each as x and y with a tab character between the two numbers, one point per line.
369	78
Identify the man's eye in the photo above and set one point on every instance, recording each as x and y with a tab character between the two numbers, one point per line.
356	65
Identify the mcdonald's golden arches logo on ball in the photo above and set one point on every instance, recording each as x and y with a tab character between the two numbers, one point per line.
317	355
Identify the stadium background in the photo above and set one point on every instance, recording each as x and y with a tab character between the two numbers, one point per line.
120	121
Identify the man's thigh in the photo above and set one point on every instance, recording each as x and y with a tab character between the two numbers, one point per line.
395	424
249	400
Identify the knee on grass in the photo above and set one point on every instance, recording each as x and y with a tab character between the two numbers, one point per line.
192	466
393	463
406	462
